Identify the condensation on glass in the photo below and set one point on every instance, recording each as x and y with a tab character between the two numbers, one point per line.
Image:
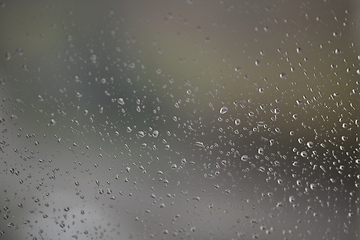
179	119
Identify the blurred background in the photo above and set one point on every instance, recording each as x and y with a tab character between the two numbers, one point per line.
179	119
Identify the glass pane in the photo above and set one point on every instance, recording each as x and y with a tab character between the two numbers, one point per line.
179	119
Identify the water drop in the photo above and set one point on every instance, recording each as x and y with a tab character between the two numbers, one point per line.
244	158
8	56
199	144
237	121
303	154
261	151
52	122
223	110
120	101
155	133
141	134
261	124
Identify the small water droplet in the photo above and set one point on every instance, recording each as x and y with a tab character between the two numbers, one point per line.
20	51
310	144
196	198
7	56
261	151
155	133
303	154
223	110
121	101
199	144
52	122
244	158
261	124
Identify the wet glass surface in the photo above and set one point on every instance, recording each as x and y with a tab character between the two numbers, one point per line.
179	119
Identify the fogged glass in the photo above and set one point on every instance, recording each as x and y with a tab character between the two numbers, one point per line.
179	119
